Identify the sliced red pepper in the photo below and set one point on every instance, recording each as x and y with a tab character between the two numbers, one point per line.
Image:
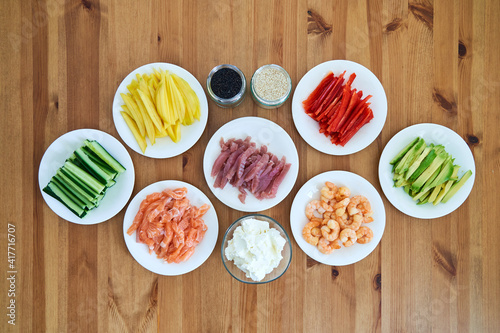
346	97
322	101
316	92
357	114
352	104
331	110
363	121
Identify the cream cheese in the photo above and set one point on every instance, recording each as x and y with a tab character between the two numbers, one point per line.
255	248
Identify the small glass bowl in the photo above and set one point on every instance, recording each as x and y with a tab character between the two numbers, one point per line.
286	253
266	103
227	102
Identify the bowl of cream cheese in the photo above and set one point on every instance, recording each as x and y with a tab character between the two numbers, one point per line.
256	249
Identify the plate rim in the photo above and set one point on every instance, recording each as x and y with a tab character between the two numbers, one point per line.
141	195
385	159
55	205
313	253
121	126
270	202
333	149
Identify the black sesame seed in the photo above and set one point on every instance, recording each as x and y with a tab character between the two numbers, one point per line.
226	83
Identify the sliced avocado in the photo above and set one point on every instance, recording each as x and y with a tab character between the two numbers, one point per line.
435	192
414	166
404	151
444	175
455	187
436	163
410	155
446	186
424	198
424	165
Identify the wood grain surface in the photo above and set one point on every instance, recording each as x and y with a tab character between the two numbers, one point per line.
61	63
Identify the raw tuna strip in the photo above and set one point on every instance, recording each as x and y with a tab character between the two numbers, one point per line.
258	169
220	180
219	162
256	180
248	170
239	164
265	181
243	194
277	182
231	160
316	92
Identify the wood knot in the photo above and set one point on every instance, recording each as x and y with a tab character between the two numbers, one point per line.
87	5
335	273
423	12
159	38
472	140
185	161
462	49
316	24
443	259
310	262
393	25
377	282
446	104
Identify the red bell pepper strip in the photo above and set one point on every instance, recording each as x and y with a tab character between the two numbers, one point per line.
316	92
357	114
364	120
321	102
346	97
352	104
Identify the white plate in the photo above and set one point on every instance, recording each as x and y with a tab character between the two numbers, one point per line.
140	251
116	196
431	133
164	147
311	191
366	81
263	132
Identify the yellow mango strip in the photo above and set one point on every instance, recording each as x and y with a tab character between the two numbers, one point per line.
189	107
170	133
177	131
134	110
148	123
132	86
151	110
135	131
161	104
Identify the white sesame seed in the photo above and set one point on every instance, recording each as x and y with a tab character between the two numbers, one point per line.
271	84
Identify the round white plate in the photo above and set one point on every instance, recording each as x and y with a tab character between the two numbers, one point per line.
116	196
366	81
263	132
164	147
140	251
431	133
311	191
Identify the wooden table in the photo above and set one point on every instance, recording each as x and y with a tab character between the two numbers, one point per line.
61	64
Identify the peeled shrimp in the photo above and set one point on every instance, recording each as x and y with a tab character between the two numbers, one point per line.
350	222
342	193
364	235
341	206
307	232
331	230
348	237
328	191
359	204
313	206
325	246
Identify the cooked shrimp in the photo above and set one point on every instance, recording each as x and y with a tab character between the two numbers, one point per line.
316	231
359	204
313	206
354	222
307	232
331	230
348	237
328	191
342	193
341	206
364	235
325	246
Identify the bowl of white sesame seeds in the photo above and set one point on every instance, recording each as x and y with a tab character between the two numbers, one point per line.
271	86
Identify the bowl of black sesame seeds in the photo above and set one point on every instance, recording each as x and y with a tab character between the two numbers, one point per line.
226	85
270	86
